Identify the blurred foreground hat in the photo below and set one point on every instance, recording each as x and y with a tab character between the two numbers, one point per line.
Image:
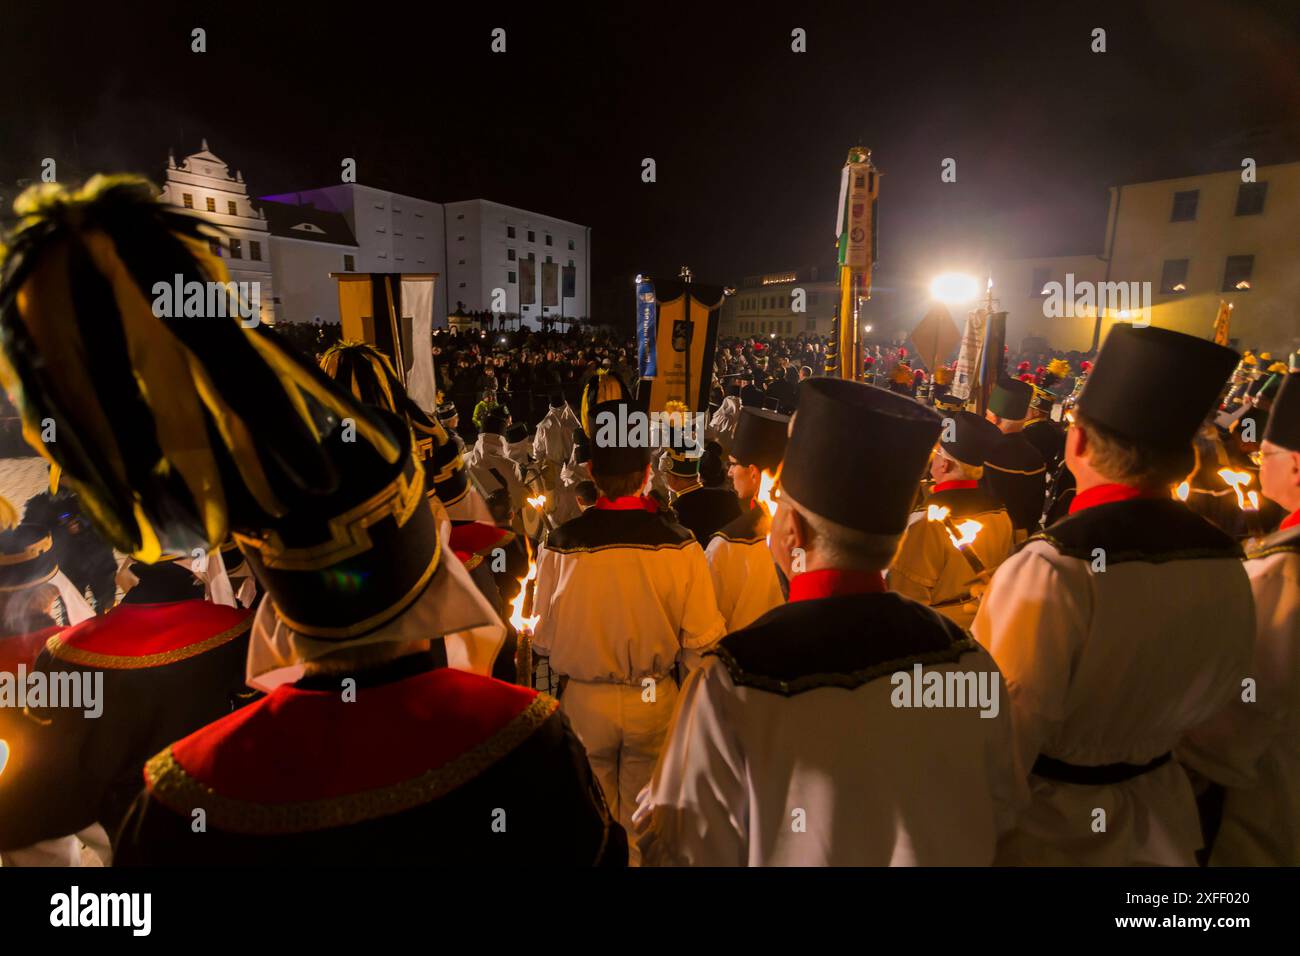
1010	399
1284	420
857	454
761	438
970	439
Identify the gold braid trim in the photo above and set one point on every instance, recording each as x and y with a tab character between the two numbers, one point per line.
170	784
76	655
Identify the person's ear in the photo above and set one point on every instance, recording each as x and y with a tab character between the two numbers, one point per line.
800	532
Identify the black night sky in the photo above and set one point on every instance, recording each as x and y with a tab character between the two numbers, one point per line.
748	136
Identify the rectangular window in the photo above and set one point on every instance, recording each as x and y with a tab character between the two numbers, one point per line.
532	236
254	250
1185	206
1038	281
349	264
231	207
510	232
188	200
460	238
510	254
548	258
812	325
510	277
548	240
570	245
1173	277
460	262
212	204
1236	273
570	263
214	247
460	215
532	257
1250	198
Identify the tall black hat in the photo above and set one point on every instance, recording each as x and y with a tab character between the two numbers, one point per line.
1043	401
857	453
684	460
618	447
970	439
517	432
494	422
1284	420
26	557
1155	386
164	583
1010	399
761	437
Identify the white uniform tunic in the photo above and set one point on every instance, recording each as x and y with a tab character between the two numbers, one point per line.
554	438
787	748
1253	747
744	574
491	467
1118	629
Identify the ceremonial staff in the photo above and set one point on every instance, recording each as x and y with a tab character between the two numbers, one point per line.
855	226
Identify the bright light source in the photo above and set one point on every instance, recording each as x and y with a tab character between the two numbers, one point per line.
866	328
954	288
772	336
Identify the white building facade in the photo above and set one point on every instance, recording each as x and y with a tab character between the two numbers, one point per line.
492	249
202	182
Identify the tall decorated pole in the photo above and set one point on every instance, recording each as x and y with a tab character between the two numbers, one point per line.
855	226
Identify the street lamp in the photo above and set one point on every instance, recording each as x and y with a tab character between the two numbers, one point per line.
954	288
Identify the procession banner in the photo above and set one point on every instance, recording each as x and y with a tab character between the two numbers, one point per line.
647	328
550	284
935	336
569	282
1222	322
967	371
993	362
527	282
684	345
417	303
370	309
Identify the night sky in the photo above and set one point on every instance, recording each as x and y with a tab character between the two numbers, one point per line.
748	136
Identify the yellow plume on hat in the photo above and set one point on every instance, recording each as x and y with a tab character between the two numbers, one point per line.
602	387
8	514
1059	367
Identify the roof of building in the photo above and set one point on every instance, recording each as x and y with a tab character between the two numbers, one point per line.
306	222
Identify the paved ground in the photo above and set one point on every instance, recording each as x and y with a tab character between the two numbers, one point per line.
20	478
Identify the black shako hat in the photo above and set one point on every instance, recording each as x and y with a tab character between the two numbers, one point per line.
618	446
1284	420
1010	399
761	437
970	439
684	460
26	557
857	454
1129	393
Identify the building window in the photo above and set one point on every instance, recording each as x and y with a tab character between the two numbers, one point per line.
548	258
1173	277
212	204
532	236
254	250
764	305
1185	206
548	241
570	245
460	238
1038	281
231	207
570	263
1236	273
349	264
188	200
510	232
510	278
460	285
460	215
460	262
510	254
812	325
214	247
236	249
532	257
1250	198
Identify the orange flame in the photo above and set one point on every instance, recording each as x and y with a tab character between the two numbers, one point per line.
967	530
4	754
539	502
1182	491
1238	480
768	495
1253	497
524	624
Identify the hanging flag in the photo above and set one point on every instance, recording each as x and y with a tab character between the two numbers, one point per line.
569	282
394	313
993	363
1221	322
550	284
527	282
966	374
417	310
647	328
685	337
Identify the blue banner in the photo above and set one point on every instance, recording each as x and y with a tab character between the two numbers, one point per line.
647	328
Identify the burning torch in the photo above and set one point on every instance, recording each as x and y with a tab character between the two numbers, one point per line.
525	621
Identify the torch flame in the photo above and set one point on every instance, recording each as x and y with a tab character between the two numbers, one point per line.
1238	480
539	502
1253	498
1182	491
521	623
768	495
966	531
936	513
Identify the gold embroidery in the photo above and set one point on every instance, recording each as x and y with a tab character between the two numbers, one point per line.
624	547
171	785
349	532
33	550
76	655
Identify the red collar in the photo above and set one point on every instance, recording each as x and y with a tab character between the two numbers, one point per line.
956	483
627	503
1106	495
831	583
1291	520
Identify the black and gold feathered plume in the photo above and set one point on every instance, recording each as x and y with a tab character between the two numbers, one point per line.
602	387
171	429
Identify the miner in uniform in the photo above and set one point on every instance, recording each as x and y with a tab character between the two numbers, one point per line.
1014	470
700	510
1043	433
756	770
930	567
553	441
745	578
622	591
381	739
1127	623
1252	747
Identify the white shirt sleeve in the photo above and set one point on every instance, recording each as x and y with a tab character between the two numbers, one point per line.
701	625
